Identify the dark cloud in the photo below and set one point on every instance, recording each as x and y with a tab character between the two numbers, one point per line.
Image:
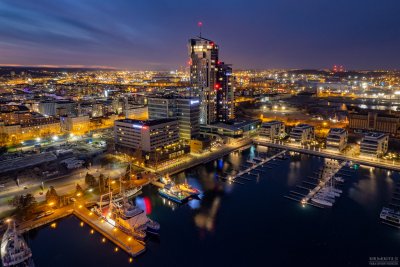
140	34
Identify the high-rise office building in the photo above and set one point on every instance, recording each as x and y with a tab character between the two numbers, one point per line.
152	141
203	55
185	110
225	93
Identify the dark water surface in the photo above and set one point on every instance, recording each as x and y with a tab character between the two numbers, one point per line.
243	225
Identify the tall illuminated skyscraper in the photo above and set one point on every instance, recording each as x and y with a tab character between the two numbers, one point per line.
225	93
203	55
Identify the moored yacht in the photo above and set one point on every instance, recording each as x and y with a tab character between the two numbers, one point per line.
391	216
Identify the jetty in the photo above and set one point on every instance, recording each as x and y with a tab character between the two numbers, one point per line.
255	165
124	241
326	177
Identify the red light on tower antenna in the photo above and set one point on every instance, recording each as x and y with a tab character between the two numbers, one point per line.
200	24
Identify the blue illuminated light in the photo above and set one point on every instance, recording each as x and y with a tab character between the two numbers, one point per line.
192	102
137	126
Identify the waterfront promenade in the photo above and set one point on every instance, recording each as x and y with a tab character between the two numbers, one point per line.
206	157
332	155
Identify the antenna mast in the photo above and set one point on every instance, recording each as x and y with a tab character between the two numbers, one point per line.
200	24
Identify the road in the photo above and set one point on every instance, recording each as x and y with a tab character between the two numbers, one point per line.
63	184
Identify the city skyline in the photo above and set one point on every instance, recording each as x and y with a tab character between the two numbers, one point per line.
142	36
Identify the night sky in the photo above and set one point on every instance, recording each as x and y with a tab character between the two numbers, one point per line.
139	35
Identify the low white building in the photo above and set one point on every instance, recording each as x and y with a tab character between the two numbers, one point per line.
337	139
302	134
374	145
272	130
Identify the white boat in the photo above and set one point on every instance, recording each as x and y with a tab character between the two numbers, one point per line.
391	216
137	219
130	210
321	201
339	179
251	162
325	196
119	197
14	250
329	191
339	191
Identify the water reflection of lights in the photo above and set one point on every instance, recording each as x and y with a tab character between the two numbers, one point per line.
206	218
144	203
220	164
194	204
169	203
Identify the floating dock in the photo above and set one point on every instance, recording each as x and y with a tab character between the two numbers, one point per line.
254	166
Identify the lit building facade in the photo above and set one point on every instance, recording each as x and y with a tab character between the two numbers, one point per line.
185	110
374	145
225	93
203	55
371	121
75	124
272	130
58	108
337	139
155	140
38	128
302	134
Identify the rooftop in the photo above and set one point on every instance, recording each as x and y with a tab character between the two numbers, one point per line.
337	131
147	122
303	126
375	135
272	122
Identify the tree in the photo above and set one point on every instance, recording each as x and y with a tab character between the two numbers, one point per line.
90	180
24	202
102	183
52	196
78	189
3	138
127	175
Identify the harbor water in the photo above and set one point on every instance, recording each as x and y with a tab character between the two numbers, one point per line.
249	224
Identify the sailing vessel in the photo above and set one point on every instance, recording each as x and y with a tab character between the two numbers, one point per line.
321	200
14	250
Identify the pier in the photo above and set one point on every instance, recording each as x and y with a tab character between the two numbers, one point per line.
124	241
255	165
326	177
